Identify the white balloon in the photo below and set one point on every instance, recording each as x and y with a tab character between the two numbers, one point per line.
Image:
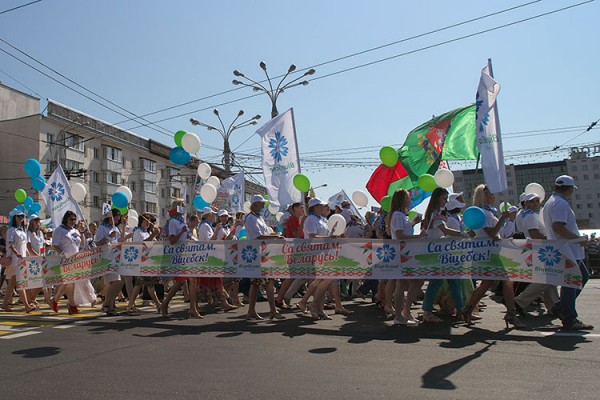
213	180
360	198
247	205
204	171
444	178
78	192
126	191
273	209
537	189
191	143
336	224
133	213
208	192
228	183
278	216
131	220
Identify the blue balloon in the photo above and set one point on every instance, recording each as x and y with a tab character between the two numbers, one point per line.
38	183
179	156
35	208
119	199
474	218
28	202
199	202
242	233
33	167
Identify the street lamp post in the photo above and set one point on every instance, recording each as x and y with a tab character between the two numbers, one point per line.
273	93
228	156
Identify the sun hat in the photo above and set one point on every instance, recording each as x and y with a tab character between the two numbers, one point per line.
315	201
257	198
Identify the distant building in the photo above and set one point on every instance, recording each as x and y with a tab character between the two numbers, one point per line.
583	165
95	153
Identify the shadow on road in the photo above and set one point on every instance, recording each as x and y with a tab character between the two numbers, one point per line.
38	352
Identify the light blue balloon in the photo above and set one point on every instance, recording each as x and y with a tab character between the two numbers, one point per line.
33	167
199	202
474	218
119	199
179	156
242	233
38	183
28	202
35	208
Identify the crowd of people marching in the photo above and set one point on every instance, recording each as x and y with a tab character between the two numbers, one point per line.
459	298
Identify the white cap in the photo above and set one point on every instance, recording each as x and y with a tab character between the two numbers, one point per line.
454	196
565	180
222	212
453	204
315	202
34	216
207	210
522	197
257	198
512	209
530	196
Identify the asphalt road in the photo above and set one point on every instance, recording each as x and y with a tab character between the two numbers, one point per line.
223	356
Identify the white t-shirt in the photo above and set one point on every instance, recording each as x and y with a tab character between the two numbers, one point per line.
315	224
454	222
205	231
519	222
557	209
400	222
18	239
36	240
67	239
175	227
532	221
490	222
256	226
139	235
104	232
223	232
507	230
437	220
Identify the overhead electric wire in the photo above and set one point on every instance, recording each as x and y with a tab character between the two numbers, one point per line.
18	7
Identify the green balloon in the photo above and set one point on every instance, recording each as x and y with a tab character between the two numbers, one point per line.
301	182
388	156
385	203
123	210
427	183
178	136
395	186
20	195
412	214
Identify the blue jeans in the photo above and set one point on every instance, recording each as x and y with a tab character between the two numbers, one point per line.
566	304
434	287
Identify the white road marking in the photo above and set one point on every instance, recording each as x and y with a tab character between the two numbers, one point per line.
19	335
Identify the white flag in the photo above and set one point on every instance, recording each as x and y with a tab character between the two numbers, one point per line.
57	196
489	141
231	193
280	160
337	199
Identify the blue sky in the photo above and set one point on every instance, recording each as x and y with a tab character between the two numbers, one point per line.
150	55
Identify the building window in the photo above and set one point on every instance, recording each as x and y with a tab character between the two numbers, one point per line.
49	138
96	201
95	152
577	197
74	142
71	165
150	186
162	193
176	193
113	177
132	164
148	165
132	186
574	168
174	174
584	167
588	196
151	207
578	206
591	215
113	154
590	205
49	167
94	177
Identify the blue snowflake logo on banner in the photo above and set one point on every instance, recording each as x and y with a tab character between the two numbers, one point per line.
278	146
386	253
249	254
34	268
56	191
549	256
131	254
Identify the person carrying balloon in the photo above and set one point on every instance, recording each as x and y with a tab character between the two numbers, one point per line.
484	199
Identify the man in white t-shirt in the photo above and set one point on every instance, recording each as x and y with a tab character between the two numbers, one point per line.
560	223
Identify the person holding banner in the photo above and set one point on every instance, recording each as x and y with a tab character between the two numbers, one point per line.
257	229
146	231
16	245
35	247
436	226
400	227
109	233
66	241
484	199
179	232
561	224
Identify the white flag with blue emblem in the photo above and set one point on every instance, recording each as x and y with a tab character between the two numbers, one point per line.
57	196
280	160
489	141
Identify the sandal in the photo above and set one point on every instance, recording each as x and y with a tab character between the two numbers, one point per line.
343	311
429	317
